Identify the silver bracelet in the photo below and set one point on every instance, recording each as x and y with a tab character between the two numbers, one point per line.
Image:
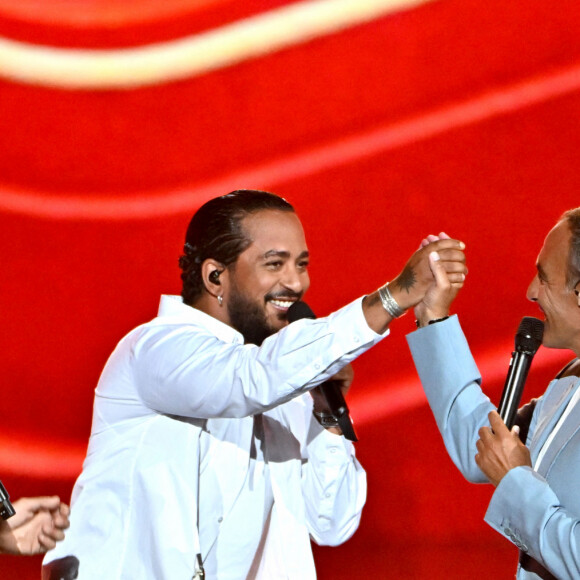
389	303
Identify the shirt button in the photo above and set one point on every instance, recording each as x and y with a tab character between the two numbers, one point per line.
317	366
333	449
327	494
356	339
220	520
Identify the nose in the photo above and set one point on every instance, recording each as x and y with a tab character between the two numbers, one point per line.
532	293
295	279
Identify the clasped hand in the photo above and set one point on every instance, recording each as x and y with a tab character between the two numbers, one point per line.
439	261
448	278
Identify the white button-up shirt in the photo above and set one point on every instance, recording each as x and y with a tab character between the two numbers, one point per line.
201	444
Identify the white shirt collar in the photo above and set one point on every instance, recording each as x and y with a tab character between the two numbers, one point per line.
172	307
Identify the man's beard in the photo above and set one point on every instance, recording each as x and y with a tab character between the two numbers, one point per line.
249	319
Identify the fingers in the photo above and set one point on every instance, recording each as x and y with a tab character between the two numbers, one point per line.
446	274
485	437
452	258
51	533
449	254
431	238
45	542
34	504
497	424
438	270
447	244
60	517
456	280
480	450
453	261
52	528
345	376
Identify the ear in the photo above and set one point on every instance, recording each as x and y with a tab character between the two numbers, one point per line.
211	270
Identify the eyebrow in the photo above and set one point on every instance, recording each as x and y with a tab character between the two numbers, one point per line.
284	254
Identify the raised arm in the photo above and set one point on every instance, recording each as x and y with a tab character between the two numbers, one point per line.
415	285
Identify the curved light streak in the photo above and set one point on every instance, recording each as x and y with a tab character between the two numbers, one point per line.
24	455
105	13
306	163
183	58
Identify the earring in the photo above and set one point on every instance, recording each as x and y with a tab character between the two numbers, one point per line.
220	300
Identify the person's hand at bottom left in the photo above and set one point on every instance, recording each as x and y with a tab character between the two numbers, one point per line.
38	524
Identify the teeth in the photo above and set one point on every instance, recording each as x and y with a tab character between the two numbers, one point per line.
282	303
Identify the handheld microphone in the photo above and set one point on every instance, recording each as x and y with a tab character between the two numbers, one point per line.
528	340
6	508
330	389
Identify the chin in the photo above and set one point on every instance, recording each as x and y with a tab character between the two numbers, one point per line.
550	342
277	321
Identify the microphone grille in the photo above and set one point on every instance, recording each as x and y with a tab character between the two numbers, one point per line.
529	335
299	310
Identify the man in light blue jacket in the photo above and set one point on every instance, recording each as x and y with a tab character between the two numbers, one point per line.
536	503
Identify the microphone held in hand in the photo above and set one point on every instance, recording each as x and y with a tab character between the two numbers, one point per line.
6	509
330	389
528	340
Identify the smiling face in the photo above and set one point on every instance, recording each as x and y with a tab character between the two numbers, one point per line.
554	294
268	276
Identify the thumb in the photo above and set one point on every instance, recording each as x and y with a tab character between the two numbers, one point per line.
438	269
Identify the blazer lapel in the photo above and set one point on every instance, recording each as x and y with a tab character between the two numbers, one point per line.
551	413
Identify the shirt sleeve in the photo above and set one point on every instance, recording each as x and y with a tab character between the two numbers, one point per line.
526	510
186	370
451	381
334	487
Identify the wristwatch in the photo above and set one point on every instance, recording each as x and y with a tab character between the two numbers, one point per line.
326	419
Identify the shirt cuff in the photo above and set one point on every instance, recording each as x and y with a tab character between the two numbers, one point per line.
520	507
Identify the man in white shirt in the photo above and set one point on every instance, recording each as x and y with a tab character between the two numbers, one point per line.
205	455
536	503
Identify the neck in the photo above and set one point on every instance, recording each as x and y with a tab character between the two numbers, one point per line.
210	305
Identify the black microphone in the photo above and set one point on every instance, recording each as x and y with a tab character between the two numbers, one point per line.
6	508
330	389
528	340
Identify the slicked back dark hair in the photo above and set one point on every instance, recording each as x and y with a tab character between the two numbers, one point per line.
216	232
572	218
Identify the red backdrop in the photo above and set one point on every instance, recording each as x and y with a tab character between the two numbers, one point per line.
454	115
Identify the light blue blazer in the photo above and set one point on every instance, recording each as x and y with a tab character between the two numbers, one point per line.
539	511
